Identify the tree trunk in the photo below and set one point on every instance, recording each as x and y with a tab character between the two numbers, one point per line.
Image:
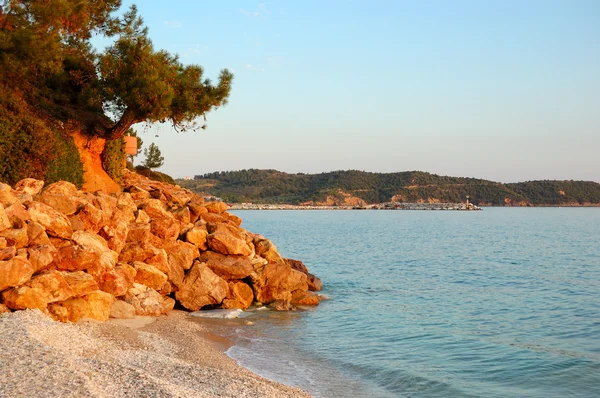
118	130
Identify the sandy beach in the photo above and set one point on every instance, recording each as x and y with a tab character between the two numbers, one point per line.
168	356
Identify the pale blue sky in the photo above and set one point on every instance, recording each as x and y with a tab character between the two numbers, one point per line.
503	90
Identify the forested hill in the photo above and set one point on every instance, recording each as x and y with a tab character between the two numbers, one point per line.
358	187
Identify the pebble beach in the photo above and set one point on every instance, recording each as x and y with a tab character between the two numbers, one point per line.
168	356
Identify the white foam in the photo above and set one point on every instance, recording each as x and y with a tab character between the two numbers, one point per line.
221	314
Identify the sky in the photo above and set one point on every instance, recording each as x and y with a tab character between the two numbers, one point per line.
502	90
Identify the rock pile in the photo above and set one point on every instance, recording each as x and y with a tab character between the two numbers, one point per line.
74	254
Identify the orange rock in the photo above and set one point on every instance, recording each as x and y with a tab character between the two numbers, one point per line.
216	207
14	272
197	237
122	310
42	256
3	243
4	220
181	254
17	211
16	237
267	250
48	287
37	234
226	243
301	297
138	232
163	224
119	280
168	304
145	300
90	217
240	296
7	195
80	283
149	275
276	281
314	283
7	253
201	287
29	186
55	223
95	305
227	267
233	218
4	309
116	229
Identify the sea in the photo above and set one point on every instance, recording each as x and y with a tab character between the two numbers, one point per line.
503	302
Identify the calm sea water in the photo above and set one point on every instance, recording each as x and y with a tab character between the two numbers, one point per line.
498	303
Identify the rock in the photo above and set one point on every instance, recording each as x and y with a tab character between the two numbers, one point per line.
116	230
119	280
16	237
183	216
282	305
216	219
8	253
7	195
301	297
15	272
38	292
276	281
216	207
138	232
145	300
3	243
95	305
266	249
17	211
29	186
197	209
227	267
37	234
314	283
63	196
42	256
168	304
80	283
90	217
149	275
163	224
240	296
138	193
4	220
233	218
142	217
85	258
4	309
126	202
55	223
226	243
122	310
197	237
201	287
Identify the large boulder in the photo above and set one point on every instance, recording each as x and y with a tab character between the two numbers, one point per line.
55	223
37	234
227	267
277	281
145	300
201	287
4	220
163	224
15	272
63	196
118	280
29	186
216	207
266	249
314	283
48	287
95	305
197	236
228	239
42	256
89	252
149	275
240	296
17	237
7	195
80	283
115	231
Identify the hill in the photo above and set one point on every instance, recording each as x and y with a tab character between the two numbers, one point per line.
354	187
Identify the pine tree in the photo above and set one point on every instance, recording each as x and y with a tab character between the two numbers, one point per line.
154	158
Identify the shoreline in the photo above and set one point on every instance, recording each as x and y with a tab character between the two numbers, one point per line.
168	356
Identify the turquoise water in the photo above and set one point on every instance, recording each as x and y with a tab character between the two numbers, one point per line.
502	302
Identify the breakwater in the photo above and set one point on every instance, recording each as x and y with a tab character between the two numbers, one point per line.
379	206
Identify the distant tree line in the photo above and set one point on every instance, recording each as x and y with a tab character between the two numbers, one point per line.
272	186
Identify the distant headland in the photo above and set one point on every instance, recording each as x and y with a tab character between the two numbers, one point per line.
358	189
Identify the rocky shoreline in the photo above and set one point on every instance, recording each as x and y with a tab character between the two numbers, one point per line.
73	254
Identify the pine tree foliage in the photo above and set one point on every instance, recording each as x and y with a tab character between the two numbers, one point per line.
154	158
